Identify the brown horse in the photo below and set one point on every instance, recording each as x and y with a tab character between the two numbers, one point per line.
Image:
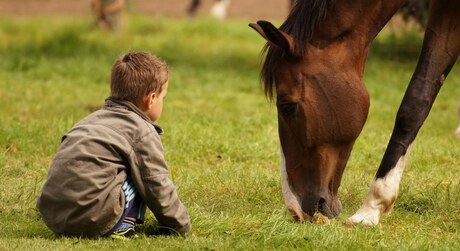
219	8
314	69
108	14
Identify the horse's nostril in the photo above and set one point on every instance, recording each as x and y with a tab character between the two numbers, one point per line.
321	204
324	208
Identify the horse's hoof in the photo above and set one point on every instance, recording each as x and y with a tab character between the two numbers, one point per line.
364	219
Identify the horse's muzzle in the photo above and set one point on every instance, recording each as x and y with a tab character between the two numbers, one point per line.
327	205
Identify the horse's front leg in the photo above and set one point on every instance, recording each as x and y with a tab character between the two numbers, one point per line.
220	8
192	8
440	50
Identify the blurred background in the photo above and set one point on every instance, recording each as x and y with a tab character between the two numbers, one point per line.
170	8
414	11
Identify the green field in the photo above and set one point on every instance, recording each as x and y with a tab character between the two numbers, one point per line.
221	137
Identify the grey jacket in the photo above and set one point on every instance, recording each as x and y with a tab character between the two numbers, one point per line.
82	195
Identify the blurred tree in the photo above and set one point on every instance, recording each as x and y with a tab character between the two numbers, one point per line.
109	14
416	10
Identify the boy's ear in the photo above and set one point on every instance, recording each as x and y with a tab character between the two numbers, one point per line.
148	100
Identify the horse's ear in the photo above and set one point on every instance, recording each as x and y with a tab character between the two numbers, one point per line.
274	36
259	30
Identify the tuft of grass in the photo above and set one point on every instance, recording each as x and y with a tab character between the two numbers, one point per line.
221	139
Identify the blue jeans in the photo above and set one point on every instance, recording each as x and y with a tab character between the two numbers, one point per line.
134	206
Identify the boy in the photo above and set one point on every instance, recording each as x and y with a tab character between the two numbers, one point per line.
110	165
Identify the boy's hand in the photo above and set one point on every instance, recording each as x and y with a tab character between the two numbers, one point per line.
161	230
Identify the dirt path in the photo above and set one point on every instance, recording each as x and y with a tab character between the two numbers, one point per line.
241	9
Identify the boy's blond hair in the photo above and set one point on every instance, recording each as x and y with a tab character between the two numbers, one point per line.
136	74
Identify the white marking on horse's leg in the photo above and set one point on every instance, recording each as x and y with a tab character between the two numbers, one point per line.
381	196
457	132
219	9
290	199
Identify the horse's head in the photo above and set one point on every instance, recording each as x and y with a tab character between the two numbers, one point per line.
322	106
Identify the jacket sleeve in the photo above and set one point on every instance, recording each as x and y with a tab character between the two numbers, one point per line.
158	192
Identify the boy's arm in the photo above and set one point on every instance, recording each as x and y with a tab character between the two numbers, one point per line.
151	177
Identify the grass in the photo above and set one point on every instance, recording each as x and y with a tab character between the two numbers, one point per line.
221	137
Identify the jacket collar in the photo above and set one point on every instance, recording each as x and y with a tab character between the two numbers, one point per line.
114	102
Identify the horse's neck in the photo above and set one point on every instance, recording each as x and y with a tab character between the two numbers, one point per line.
353	24
364	18
377	15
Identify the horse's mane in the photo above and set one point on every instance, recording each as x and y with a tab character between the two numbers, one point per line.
301	22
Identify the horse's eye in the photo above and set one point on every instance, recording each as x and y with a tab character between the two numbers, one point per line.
288	109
